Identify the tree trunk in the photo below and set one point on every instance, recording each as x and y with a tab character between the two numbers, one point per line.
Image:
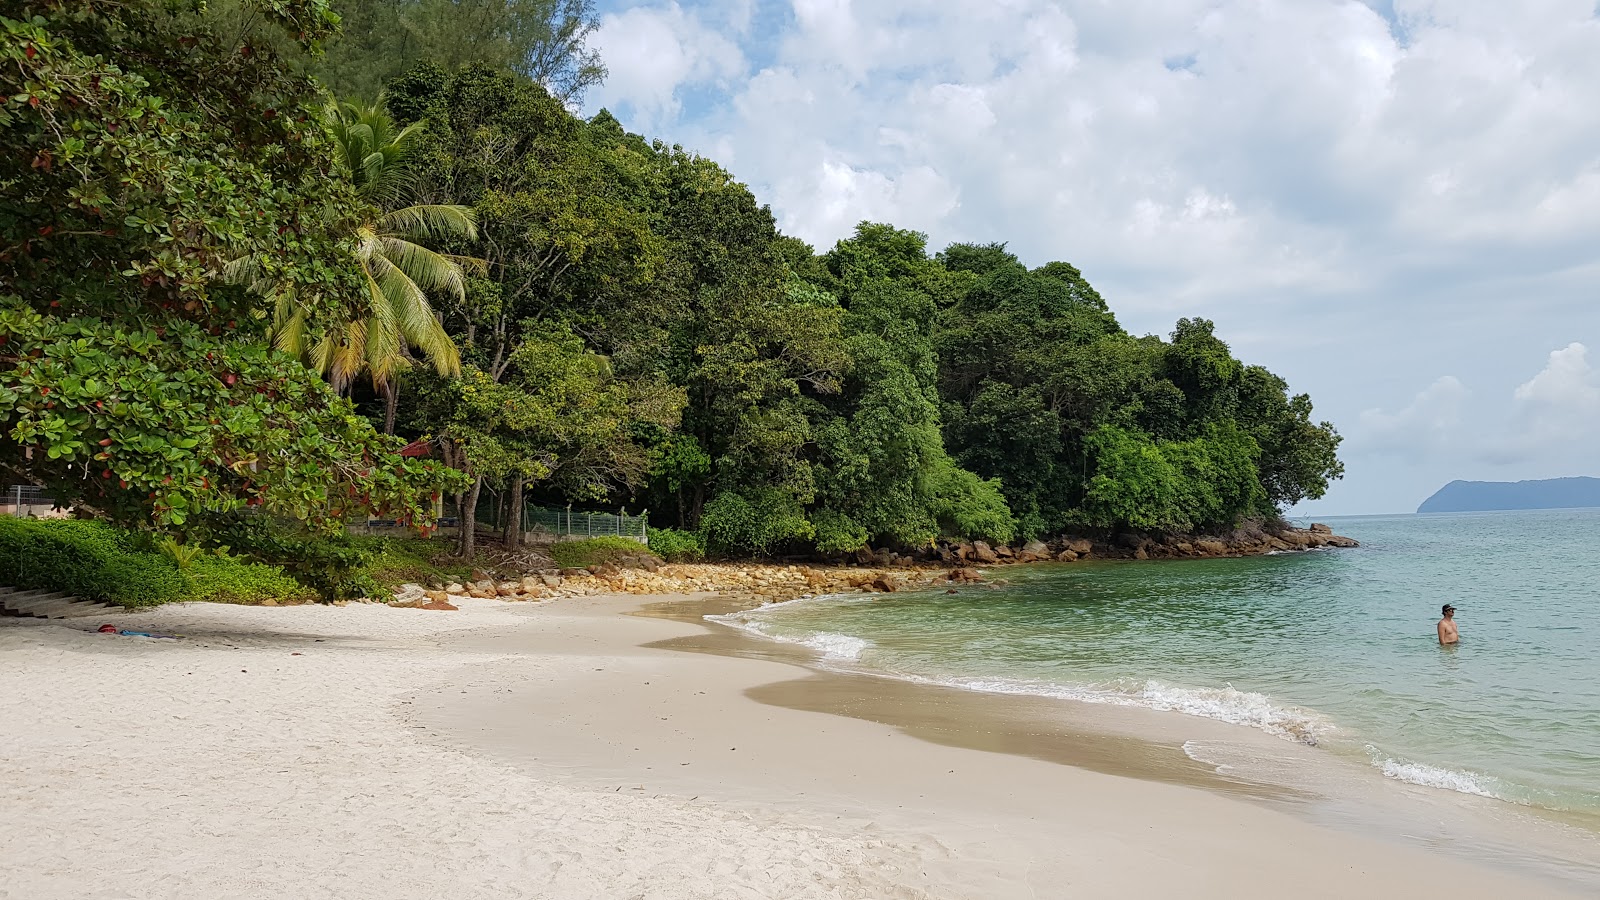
513	532
467	544
699	505
391	402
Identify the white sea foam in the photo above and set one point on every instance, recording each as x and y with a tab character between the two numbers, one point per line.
1225	704
828	645
837	646
1433	776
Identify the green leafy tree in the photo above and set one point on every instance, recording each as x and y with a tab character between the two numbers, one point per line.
546	41
398	271
882	470
557	417
134	380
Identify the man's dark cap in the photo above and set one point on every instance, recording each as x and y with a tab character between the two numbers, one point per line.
1447	608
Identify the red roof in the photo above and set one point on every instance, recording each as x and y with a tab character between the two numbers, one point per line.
416	448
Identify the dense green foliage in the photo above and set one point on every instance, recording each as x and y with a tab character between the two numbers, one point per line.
594	551
673	545
873	393
91	560
224	579
144	153
398	560
544	40
606	319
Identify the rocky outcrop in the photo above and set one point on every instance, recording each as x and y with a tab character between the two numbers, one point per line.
1254	539
1034	551
886	572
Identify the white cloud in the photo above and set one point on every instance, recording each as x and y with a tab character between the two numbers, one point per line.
1370	202
651	53
1428	425
1562	402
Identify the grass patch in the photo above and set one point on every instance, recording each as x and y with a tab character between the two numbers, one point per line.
594	551
399	561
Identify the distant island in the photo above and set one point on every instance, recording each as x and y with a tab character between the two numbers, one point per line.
1478	496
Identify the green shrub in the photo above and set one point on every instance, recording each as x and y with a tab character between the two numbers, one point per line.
91	560
673	545
760	523
593	551
969	507
223	579
398	560
335	566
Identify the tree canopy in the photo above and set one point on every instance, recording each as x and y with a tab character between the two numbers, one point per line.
143	153
608	319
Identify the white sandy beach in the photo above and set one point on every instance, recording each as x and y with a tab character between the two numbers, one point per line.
514	750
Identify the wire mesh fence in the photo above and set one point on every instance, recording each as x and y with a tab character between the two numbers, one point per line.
568	523
23	500
579	524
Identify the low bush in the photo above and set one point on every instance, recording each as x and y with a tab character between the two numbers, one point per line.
673	545
91	560
223	579
593	551
334	565
397	560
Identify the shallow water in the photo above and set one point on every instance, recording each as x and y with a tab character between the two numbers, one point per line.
1335	649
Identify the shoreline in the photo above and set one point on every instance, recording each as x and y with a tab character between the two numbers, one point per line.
562	750
1169	745
1059	741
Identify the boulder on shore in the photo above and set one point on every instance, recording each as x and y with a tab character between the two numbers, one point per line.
983	553
1033	551
1320	528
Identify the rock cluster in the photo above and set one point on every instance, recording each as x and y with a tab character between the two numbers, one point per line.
1249	540
762	583
867	571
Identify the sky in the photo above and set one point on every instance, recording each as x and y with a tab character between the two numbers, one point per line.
1394	204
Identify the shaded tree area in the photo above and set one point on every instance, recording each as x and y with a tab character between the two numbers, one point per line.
206	255
546	41
1089	427
148	152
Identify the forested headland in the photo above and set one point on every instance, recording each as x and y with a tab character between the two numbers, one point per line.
247	258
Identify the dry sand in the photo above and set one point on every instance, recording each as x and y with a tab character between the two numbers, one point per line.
513	750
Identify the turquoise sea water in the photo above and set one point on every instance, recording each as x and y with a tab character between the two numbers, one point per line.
1333	648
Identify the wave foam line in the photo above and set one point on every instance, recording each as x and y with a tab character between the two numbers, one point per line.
1224	704
1424	775
828	645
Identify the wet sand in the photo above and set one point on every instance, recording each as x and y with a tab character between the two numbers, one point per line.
574	750
996	796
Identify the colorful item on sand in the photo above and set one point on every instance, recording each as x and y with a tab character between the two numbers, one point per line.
108	628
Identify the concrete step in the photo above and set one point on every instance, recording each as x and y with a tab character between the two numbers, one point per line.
12	603
41	606
49	604
73	609
24	604
15	596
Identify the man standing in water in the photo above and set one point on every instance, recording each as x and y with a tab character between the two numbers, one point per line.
1447	626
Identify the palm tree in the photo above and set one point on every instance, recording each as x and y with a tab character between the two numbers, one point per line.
400	273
